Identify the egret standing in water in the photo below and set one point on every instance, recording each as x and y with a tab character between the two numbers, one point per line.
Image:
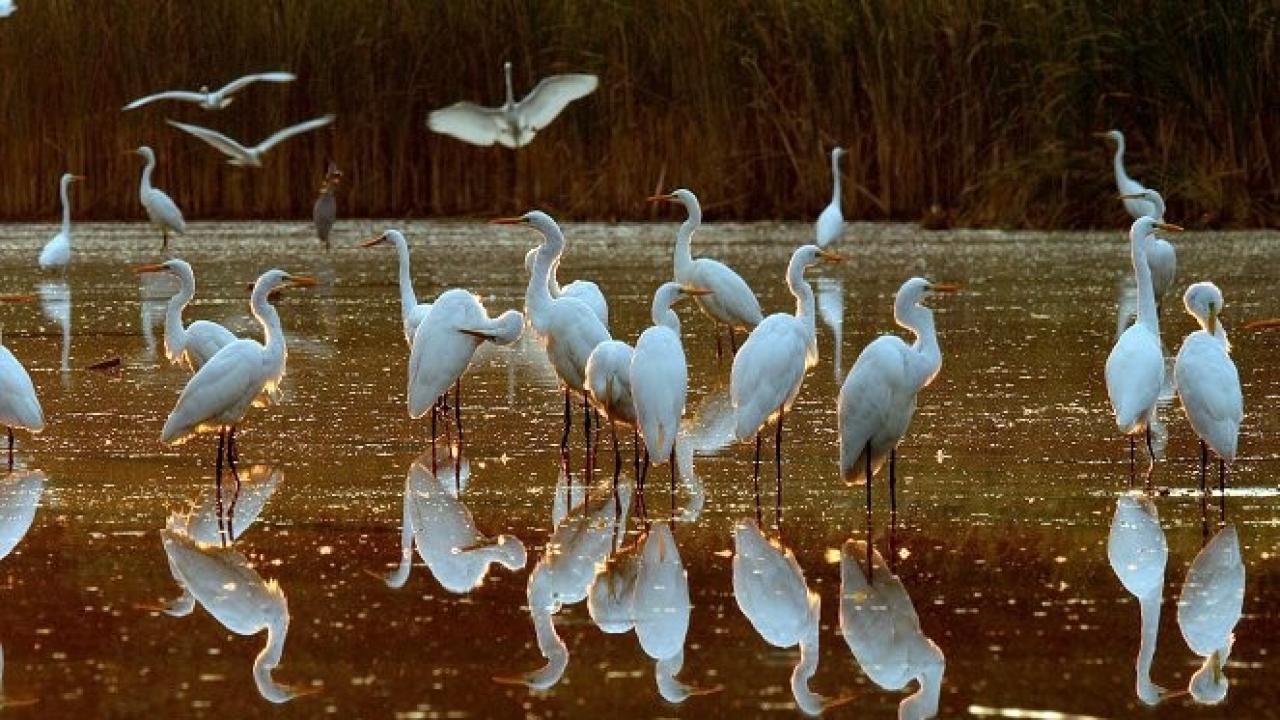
1161	256
769	369
731	302
878	398
515	123
1136	206
193	345
1208	383
831	222
325	212
161	211
19	406
57	252
1135	367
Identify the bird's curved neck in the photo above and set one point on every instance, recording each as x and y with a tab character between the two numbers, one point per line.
551	647
1118	161
1149	605
273	335
1146	291
400	575
553	282
662	314
175	333
919	320
684	252
803	292
146	174
511	95
538	296
269	658
66	209
835	179
408	299
810	702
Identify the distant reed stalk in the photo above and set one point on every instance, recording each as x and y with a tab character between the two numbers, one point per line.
984	108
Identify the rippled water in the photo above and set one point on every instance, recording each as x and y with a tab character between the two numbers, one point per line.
1009	480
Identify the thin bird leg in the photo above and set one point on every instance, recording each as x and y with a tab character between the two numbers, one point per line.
10	448
233	454
733	341
435	410
1222	488
564	439
635	454
719	351
777	468
755	480
1151	456
1204	466
673	481
588	460
164	241
617	455
893	484
1133	450
217	486
868	455
457	418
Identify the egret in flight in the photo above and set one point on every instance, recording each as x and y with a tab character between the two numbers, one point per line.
515	123
831	222
325	211
242	156
1136	206
161	211
878	397
731	301
1161	255
7	8
217	99
19	406
57	252
1135	367
769	369
1207	381
192	345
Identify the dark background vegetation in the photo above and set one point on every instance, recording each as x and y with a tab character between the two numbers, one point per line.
984	108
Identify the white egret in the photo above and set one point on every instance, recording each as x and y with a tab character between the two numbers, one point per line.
515	123
607	379
190	346
1135	368
567	327
1136	206
412	313
325	211
878	397
7	8
1162	258
831	222
20	494
242	156
584	290
1138	552
19	406
769	369
217	99
731	302
161	211
880	624
1209	608
57	252
1207	381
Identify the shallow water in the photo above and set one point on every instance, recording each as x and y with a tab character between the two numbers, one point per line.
1008	482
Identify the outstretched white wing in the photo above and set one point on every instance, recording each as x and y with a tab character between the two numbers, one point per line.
469	122
549	98
289	132
224	144
183	95
275	77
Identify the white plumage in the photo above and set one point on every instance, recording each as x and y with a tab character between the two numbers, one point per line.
1206	377
242	156
19	406
217	99
20	494
584	290
1209	608
1138	552
831	222
412	313
161	210
660	376
608	381
1162	258
1136	207
190	346
57	252
514	124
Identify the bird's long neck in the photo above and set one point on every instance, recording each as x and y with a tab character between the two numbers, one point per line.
1122	177
408	299
398	577
803	292
66	209
919	320
269	658
684	253
175	333
553	282
273	335
538	297
924	703
145	185
810	702
835	178
1149	606
1146	291
511	95
662	314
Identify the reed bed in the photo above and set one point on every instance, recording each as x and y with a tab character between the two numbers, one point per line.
982	108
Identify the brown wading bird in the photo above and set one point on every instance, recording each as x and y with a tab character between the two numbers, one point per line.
325	211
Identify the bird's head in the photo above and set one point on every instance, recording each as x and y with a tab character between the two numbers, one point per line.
807	256
1112	135
1204	302
537	219
1209	684
145	152
68	178
917	290
276	278
1144	227
388	237
173	266
680	196
838	152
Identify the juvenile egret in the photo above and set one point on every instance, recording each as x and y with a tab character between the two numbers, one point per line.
193	345
1136	207
57	252
1138	552
325	211
515	123
567	327
411	312
660	380
217	99
241	374
831	222
584	290
1209	608
1207	381
242	156
731	302
1162	258
161	211
1135	368
19	407
769	369
878	397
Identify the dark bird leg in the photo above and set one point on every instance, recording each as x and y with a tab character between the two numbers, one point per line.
868	455
673	481
733	341
564	441
232	463
457	418
635	455
617	454
1151	455
1204	466
217	486
1222	488
777	468
755	480
893	483
10	448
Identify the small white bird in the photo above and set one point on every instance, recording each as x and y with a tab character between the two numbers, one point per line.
831	222
878	397
1161	255
218	99
1138	552
161	211
57	252
731	302
193	345
584	290
412	313
1209	608
1135	368
1208	382
19	406
515	123
7	8
242	156
1136	207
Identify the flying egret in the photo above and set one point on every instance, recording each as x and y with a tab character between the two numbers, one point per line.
515	123
1207	381
217	99
57	252
161	211
1209	608
1138	552
325	211
193	345
1162	258
769	369
584	290
1136	207
1135	367
731	302
878	397
567	327
242	156
19	406
831	222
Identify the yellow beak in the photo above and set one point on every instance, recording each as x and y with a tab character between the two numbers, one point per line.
669	197
831	257
695	291
371	241
1169	227
302	281
945	287
507	221
140	269
17	298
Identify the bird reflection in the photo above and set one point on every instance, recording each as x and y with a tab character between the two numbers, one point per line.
1138	552
20	494
879	621
771	592
213	518
564	574
154	291
439	523
1209	608
55	302
831	310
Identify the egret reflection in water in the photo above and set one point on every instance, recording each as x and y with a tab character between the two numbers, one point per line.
55	303
1138	552
20	494
1209	608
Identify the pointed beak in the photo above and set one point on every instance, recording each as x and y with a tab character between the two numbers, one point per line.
152	268
17	298
1213	320
1132	196
668	197
1101	135
944	287
1262	324
301	281
695	291
831	257
507	221
1169	227
371	241
77	178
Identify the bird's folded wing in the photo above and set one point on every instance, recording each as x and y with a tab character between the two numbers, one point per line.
550	97
275	77
468	122
223	143
289	132
169	95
